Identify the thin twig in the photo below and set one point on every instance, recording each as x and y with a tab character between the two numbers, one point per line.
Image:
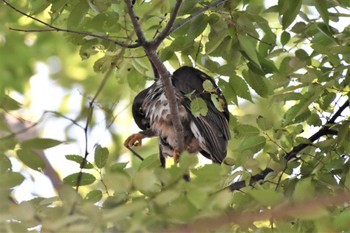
57	29
135	153
23	130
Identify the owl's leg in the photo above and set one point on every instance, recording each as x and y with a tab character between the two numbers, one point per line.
176	156
134	140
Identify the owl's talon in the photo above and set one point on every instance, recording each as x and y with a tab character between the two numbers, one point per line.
134	140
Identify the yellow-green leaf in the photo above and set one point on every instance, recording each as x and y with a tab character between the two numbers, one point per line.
94	196
40	143
291	11
248	45
79	159
304	189
31	159
101	156
85	179
268	197
199	107
253	144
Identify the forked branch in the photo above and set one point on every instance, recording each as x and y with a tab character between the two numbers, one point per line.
163	73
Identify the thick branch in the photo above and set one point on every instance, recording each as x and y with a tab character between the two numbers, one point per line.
57	29
164	75
280	212
325	130
23	131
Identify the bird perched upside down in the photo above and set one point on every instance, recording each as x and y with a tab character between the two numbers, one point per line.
207	133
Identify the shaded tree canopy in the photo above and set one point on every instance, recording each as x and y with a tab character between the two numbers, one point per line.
283	67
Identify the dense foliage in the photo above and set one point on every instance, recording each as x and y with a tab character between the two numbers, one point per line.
283	67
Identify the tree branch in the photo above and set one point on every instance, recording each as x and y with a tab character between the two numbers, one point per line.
57	29
164	75
280	212
168	27
23	131
325	130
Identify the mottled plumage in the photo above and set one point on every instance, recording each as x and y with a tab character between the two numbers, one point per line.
205	134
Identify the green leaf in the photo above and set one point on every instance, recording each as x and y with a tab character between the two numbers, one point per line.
9	104
253	144
40	143
197	26
214	41
218	102
118	167
208	86
314	119
115	200
247	25
221	200
259	83
341	221
146	182
101	156
166	54
264	123
198	107
150	162
304	189
248	45
347	180
240	87
267	197
285	37
94	196
10	180
291	12
78	14
322	8
327	100
343	132
325	144
38	6
124	211
135	79
5	164
187	161
102	64
123	184
299	109
198	198
79	159
166	197
86	179
31	159
247	130
228	91
180	210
